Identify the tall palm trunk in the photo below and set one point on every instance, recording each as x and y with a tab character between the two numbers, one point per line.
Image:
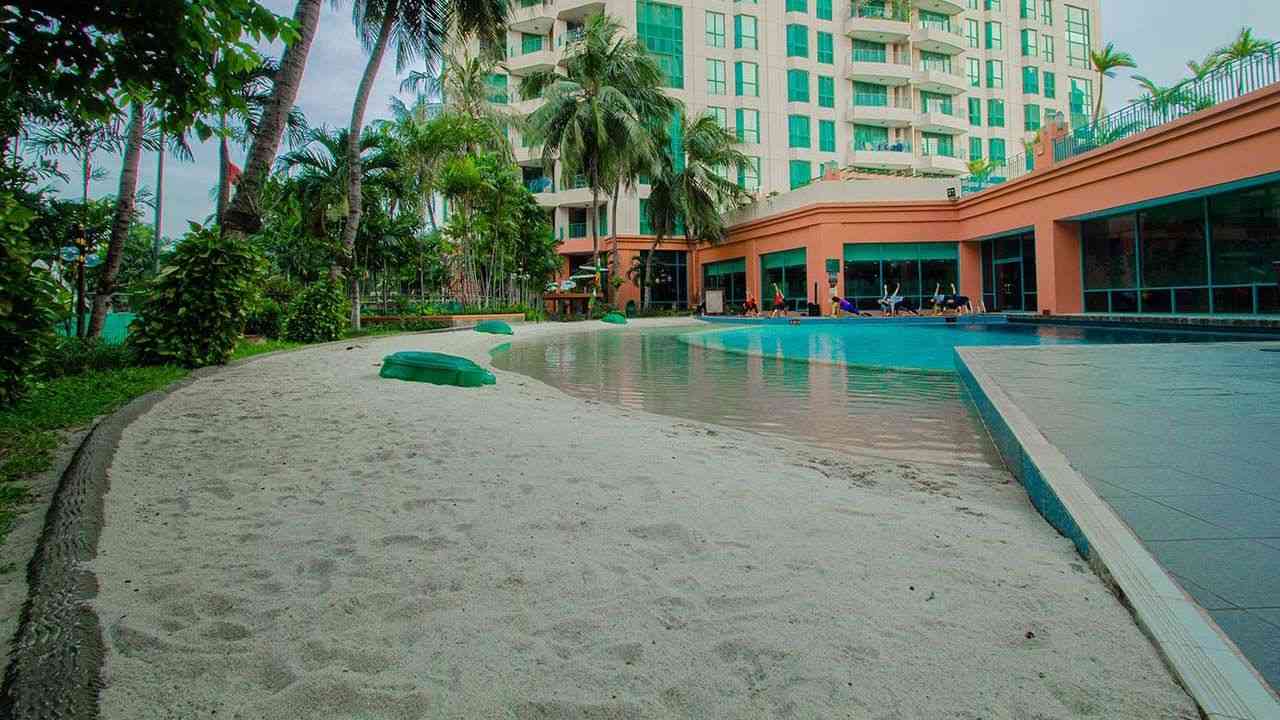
1097	107
244	214
354	197
615	257
156	241
224	169
595	230
86	171
126	198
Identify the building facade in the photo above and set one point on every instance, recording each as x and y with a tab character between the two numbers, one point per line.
917	87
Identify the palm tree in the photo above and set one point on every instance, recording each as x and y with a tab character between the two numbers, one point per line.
606	96
700	192
1105	62
254	87
463	81
1245	45
1199	70
416	27
126	203
177	144
244	214
319	171
81	141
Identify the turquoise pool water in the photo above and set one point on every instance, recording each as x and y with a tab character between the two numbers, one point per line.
876	389
917	346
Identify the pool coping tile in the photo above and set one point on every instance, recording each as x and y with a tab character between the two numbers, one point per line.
1209	665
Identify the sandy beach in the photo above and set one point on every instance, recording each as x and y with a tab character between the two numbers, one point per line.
297	538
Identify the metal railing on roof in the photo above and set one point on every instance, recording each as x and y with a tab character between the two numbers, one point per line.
1226	82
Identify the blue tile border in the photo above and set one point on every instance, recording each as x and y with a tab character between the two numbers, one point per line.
1021	465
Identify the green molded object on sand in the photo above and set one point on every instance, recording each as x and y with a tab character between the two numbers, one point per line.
436	368
615	317
496	327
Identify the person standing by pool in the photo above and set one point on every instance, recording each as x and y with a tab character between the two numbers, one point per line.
779	302
750	308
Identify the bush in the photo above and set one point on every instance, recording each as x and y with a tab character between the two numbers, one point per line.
267	320
196	307
317	314
73	356
281	289
406	323
28	308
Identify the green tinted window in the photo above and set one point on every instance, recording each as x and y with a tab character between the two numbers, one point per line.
797	86
797	41
744	32
801	173
826	91
823	9
660	28
826	48
798	135
827	135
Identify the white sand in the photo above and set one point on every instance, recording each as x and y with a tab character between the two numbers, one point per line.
297	538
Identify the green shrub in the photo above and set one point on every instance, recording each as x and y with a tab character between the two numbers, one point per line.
405	323
196	307
281	289
317	314
73	356
28	309
267	319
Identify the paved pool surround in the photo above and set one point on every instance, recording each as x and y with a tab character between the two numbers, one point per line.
1161	464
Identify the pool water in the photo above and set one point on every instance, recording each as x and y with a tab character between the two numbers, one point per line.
874	389
917	346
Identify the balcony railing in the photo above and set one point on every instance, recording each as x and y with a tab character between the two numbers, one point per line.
938	26
878	100
1227	82
577	230
938	151
865	146
879	56
899	11
944	69
940	108
540	185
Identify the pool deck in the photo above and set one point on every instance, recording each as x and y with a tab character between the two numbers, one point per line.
1162	462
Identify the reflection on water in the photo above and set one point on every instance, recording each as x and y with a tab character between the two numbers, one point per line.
872	412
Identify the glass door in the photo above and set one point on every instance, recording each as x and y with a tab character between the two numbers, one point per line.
1008	275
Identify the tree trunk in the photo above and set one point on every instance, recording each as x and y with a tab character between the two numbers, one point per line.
224	172
244	214
595	233
615	258
355	204
125	199
1097	107
157	242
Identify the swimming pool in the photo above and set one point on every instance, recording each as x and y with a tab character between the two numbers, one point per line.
918	345
873	388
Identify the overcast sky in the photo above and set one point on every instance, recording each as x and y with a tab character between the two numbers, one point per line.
1161	35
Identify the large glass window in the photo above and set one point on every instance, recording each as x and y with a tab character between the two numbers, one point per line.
1173	247
670	287
826	48
1009	273
748	125
826	91
797	41
729	276
1078	42
715	29
823	9
746	79
661	28
867	51
827	135
797	86
995	36
870	137
786	271
744	32
798	131
801	172
716	82
1080	101
917	269
995	74
749	175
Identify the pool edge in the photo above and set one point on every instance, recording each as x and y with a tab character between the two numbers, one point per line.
1209	666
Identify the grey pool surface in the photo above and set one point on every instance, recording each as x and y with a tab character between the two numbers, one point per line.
1183	441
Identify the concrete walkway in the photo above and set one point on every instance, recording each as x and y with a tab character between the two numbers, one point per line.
1183	442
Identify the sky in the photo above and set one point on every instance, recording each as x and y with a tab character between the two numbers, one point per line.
1161	35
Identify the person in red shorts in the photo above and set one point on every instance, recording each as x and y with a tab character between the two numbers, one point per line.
779	302
750	308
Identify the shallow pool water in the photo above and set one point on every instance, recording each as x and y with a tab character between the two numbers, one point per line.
886	413
919	346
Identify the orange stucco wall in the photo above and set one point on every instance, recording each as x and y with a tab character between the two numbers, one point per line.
1233	141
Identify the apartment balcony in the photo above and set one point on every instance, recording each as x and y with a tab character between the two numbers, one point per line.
575	10
942	120
877	110
938	80
879	69
524	107
577	197
531	62
940	164
544	192
535	17
882	156
946	7
875	24
937	38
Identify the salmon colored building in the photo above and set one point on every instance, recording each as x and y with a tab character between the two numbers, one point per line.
1183	218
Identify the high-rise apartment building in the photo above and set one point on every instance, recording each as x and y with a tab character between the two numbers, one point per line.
919	86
